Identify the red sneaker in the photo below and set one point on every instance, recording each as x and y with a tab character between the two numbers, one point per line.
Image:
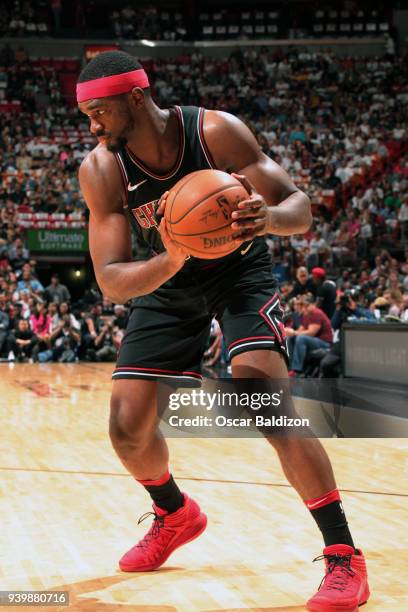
168	532
344	586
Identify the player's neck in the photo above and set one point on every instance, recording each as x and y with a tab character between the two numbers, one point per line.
155	140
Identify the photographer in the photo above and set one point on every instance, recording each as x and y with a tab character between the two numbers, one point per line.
347	309
105	349
65	341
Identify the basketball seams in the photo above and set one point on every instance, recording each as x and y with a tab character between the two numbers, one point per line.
206	202
216	229
189	177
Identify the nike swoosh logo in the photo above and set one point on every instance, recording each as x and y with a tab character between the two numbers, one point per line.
316	503
133	187
244	251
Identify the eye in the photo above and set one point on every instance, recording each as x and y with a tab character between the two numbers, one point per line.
100	112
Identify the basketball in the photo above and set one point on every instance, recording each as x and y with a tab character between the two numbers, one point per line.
198	212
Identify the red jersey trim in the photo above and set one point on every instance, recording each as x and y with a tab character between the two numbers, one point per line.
201	137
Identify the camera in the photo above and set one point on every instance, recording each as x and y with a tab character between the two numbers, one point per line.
344	300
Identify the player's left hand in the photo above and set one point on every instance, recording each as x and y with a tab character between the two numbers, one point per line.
252	217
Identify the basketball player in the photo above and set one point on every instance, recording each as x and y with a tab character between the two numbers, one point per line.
143	150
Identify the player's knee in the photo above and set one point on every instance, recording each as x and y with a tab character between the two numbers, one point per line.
281	445
127	425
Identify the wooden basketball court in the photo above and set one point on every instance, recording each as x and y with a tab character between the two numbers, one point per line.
69	509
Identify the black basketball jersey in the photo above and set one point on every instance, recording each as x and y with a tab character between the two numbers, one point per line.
144	188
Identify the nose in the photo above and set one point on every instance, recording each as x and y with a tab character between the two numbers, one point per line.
95	127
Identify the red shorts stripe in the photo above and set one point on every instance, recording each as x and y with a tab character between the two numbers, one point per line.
251	338
175	372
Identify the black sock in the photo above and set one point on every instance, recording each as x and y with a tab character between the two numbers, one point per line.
167	496
331	521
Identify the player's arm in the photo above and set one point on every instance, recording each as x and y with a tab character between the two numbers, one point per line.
276	205
119	278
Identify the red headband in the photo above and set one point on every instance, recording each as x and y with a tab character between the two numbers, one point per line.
111	85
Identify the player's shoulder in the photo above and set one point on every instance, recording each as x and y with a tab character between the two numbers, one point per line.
230	141
97	161
101	181
217	121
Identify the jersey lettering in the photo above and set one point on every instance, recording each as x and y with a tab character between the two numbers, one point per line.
144	214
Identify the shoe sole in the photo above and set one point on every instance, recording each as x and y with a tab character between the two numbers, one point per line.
151	568
322	608
335	609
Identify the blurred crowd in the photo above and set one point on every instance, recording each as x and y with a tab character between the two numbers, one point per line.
41	324
22	18
147	22
26	17
337	126
131	19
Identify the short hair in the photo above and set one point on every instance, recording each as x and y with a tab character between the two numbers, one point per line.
308	298
109	63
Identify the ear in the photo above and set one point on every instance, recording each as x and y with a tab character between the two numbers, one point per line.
137	97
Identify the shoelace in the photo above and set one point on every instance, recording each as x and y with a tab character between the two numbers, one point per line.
338	570
154	530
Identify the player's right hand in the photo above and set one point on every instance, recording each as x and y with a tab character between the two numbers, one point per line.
162	206
176	253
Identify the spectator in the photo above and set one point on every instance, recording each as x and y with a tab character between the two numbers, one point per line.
88	335
64	309
213	353
22	342
28	284
121	316
64	340
403	219
303	284
4	323
56	292
18	251
105	349
315	332
40	322
325	291
318	249
56	11
54	316
14	313
404	309
380	307
394	299
343	243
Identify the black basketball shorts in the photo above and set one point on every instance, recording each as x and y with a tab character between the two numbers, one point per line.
168	330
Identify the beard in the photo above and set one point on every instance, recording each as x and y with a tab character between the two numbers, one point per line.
117	144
